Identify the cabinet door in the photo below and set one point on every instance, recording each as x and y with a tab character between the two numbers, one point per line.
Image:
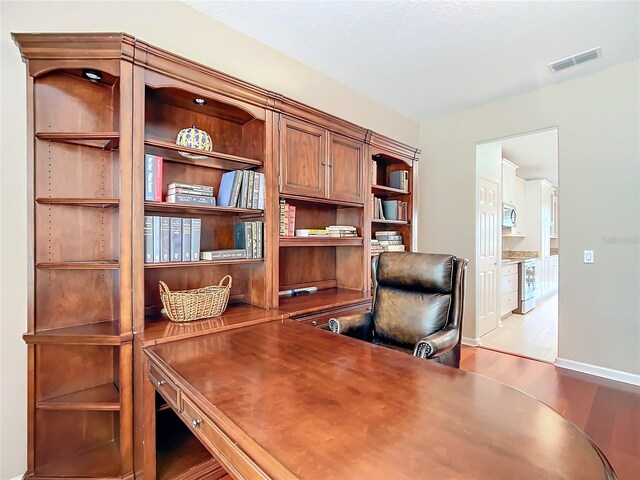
520	206
303	158
508	182
346	163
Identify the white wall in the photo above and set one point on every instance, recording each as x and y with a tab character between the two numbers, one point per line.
174	27
599	169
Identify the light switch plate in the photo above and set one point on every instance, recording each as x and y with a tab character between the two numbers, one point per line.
588	256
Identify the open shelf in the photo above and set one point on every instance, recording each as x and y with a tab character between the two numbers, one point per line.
320	241
103	398
81	202
382	191
80	265
322	300
102	462
178	451
101	140
222	161
163	207
391	222
320	202
203	263
102	333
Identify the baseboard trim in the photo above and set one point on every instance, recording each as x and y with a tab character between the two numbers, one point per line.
471	342
603	372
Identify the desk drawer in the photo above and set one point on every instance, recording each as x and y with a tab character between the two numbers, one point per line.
233	460
164	386
322	319
509	284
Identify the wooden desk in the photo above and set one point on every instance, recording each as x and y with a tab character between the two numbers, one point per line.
281	400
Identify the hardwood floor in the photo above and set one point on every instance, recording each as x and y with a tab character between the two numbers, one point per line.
607	411
534	334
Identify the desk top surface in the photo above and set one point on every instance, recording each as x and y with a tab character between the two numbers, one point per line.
325	406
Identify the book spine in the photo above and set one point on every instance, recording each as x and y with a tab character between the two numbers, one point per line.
248	237
374	172
252	183
191	199
239	236
188	191
156	239
254	240
283	218
224	254
192	186
224	192
405	180
176	239
186	240
165	239
256	191
261	192
157	179
235	189
196	228
148	239
243	189
292	221
149	178
260	239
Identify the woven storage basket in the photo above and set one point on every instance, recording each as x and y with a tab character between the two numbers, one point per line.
188	305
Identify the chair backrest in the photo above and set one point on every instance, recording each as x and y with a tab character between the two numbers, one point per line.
415	295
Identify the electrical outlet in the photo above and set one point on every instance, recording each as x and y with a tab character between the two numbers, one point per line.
588	256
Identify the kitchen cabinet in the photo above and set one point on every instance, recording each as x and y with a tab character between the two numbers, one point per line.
546	276
508	182
519	229
539	206
317	163
508	288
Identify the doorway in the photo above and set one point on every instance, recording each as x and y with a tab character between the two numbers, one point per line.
522	285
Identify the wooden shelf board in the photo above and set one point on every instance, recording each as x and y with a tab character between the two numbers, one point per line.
317	241
102	333
391	222
164	207
101	140
179	452
386	159
203	263
159	329
81	202
102	461
103	398
383	190
322	300
328	203
80	265
221	161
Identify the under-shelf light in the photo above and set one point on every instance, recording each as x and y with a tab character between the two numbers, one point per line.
199	101
93	75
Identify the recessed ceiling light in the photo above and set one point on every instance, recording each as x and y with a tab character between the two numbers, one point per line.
576	59
93	75
199	101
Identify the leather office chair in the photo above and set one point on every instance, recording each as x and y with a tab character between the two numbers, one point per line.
417	306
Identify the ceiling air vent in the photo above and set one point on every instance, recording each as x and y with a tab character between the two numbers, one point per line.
575	59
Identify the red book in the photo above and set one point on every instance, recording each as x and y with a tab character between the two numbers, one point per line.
157	195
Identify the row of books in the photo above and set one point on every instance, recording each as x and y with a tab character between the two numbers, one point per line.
190	194
397	179
249	237
330	231
243	189
388	209
389	241
171	239
287	219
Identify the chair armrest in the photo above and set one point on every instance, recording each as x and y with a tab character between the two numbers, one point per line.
356	326
437	343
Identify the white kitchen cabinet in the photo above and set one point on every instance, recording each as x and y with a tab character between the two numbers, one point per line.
508	288
546	275
508	182
521	210
539	194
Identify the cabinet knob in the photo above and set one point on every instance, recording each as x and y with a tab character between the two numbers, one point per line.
160	383
196	422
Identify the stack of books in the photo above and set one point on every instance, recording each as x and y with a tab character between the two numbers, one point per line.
376	249
287	219
342	231
312	232
190	194
152	178
171	239
399	179
242	189
390	241
249	236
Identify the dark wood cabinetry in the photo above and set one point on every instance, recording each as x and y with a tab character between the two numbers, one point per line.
97	104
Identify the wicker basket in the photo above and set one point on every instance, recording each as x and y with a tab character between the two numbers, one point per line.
188	305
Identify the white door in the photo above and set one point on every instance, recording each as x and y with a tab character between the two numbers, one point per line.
488	226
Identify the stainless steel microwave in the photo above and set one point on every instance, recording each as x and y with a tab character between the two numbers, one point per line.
508	216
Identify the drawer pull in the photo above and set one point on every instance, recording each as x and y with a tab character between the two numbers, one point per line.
196	422
160	383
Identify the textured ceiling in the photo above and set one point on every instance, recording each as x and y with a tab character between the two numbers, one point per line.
428	59
536	154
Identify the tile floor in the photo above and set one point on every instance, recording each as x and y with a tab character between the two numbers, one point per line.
534	334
